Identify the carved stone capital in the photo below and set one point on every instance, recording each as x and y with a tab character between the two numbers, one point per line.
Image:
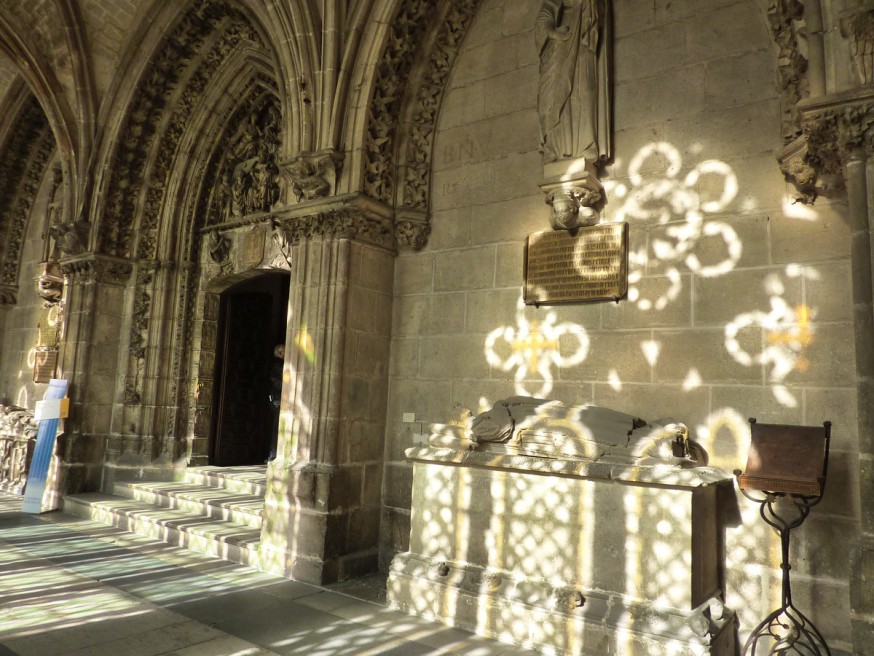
835	128
309	176
94	268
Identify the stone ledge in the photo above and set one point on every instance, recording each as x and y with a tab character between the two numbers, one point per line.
660	473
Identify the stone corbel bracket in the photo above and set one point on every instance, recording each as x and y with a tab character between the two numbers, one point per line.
310	176
574	192
833	127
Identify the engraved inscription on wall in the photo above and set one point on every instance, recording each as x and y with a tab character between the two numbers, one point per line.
590	265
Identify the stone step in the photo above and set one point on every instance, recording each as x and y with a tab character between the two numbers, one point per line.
221	539
212	502
251	480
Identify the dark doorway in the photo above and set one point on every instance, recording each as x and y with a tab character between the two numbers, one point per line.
252	320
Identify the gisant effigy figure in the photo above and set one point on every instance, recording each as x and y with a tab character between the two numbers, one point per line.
574	99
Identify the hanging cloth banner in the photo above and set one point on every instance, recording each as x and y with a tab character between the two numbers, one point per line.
48	413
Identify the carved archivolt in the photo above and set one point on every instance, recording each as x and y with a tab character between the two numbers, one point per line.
786	22
28	153
410	29
179	61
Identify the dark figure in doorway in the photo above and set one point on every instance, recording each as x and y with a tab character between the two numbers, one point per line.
276	366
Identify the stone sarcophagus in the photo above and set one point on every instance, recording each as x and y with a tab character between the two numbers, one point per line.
519	535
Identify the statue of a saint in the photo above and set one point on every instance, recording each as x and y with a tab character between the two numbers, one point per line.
574	97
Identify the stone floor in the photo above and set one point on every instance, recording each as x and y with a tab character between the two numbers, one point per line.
72	587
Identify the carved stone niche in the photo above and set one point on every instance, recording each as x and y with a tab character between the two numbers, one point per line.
574	192
604	542
310	176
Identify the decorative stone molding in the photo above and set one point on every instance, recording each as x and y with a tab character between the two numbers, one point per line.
181	51
29	152
340	223
834	126
788	30
312	175
139	330
442	32
93	268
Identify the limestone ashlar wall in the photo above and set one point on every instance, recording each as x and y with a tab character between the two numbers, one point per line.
739	302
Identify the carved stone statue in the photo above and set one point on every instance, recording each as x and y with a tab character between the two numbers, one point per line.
574	99
521	425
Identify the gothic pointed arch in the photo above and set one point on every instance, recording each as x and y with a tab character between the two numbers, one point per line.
55	67
27	149
398	121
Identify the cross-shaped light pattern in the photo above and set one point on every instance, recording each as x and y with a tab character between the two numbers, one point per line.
534	349
788	333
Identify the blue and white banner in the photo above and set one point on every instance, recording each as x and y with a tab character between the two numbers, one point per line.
38	474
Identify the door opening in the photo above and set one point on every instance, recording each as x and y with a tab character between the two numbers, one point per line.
252	319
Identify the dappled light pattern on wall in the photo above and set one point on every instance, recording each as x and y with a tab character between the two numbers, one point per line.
788	333
658	195
532	349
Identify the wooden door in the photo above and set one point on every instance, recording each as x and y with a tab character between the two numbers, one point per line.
243	416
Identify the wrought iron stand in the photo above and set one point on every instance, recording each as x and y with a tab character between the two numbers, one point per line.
791	631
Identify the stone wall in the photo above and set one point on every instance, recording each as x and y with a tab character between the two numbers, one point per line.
739	302
22	319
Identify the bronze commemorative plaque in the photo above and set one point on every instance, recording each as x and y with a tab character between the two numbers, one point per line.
589	265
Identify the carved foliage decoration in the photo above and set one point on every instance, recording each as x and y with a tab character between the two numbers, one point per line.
408	33
786	22
139	330
170	68
343	223
25	161
429	94
859	28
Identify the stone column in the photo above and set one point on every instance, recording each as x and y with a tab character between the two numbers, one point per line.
323	500
839	138
89	361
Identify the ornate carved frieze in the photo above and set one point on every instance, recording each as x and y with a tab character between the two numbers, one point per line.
170	69
27	157
409	31
787	25
343	223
